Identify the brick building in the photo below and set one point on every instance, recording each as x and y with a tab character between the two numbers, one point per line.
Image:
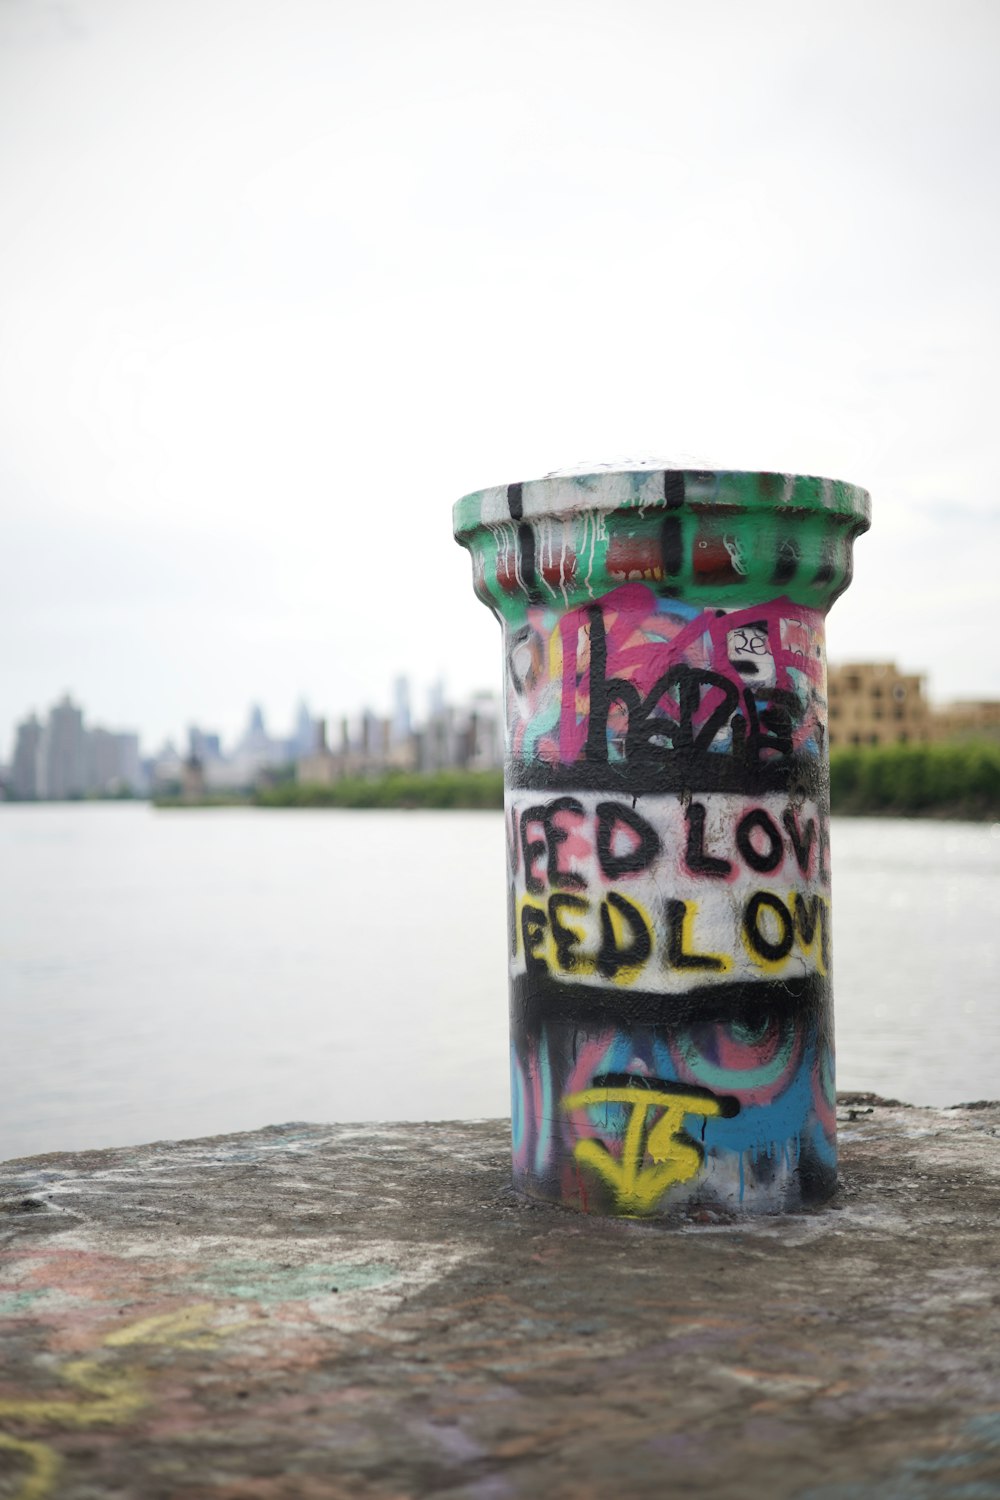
872	703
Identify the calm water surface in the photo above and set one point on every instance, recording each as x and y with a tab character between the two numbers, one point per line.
171	974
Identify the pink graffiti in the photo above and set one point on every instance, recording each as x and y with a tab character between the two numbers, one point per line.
824	1098
550	720
753	1070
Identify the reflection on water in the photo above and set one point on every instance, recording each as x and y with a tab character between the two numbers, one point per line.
179	974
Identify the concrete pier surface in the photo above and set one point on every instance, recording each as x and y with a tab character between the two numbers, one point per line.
319	1312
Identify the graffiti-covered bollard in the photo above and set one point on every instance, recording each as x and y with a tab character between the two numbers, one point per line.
667	811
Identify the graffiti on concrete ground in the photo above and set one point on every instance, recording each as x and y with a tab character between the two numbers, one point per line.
103	1372
101	1392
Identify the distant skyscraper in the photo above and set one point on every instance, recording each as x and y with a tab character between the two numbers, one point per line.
165	766
62	753
24	766
370	736
255	737
304	739
101	750
436	699
112	760
129	760
202	745
401	723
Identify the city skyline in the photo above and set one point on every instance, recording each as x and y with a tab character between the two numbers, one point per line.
63	754
423	697
230	726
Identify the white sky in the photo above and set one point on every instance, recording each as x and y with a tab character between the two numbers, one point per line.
280	281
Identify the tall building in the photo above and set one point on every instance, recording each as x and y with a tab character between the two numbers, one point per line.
112	760
256	740
129	760
401	718
371	735
305	738
436	703
165	768
484	733
319	767
62	758
62	753
439	746
23	779
872	703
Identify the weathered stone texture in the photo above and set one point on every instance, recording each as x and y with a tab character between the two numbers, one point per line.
318	1312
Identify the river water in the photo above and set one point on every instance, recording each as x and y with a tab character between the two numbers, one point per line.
174	974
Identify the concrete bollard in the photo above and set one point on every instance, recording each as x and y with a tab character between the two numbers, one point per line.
667	812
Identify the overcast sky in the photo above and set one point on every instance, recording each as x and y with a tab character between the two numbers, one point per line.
280	281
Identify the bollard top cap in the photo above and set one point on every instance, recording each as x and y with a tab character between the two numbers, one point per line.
652	485
726	535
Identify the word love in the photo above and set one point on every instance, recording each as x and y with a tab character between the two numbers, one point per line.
570	843
619	939
670	893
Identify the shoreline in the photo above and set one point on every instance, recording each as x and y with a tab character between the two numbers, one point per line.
957	782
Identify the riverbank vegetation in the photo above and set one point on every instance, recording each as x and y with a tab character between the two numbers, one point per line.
442	789
944	781
960	780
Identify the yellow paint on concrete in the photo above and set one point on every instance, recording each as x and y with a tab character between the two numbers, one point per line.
186	1329
111	1395
43	1469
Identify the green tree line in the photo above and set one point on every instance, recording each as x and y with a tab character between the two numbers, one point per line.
948	780
470	789
951	780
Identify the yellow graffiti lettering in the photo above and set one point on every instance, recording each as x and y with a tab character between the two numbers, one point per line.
681	945
776	930
113	1397
109	1395
186	1329
571	934
639	1188
43	1469
811	920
